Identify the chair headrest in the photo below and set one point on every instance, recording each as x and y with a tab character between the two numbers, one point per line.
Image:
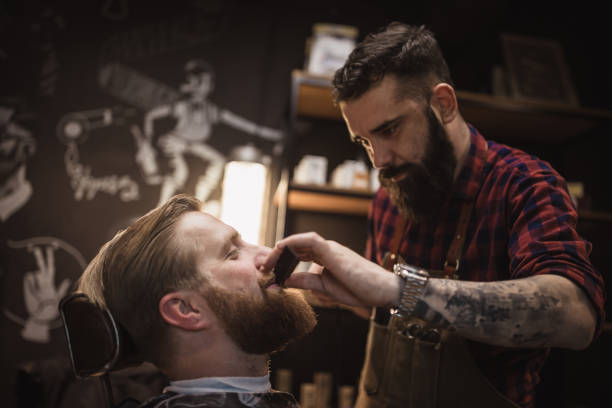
97	343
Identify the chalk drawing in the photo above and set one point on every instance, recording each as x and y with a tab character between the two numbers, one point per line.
135	88
45	30
195	116
74	129
16	146
41	295
199	25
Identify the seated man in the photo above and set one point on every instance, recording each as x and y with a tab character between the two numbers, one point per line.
192	296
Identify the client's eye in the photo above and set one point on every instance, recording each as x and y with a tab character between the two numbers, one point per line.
233	254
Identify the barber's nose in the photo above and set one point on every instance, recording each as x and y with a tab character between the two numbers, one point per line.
381	154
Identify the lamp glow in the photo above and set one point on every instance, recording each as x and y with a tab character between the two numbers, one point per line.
244	187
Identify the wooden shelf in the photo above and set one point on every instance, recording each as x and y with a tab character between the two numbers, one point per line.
311	197
329	189
312	96
502	119
594	215
328	199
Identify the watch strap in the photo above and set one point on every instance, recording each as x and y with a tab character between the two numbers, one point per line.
414	282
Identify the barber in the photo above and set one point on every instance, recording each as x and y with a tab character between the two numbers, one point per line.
488	269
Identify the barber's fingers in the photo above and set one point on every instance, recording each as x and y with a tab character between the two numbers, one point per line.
324	285
270	260
305	246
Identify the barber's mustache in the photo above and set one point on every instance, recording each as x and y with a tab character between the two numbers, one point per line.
393	171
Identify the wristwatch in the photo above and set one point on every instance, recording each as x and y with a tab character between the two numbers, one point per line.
414	282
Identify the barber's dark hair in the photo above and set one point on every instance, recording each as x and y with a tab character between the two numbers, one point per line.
411	53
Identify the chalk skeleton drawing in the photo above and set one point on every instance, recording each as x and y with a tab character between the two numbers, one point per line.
195	116
41	295
16	146
73	129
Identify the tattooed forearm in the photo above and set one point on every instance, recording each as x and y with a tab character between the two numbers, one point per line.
496	313
423	311
531	312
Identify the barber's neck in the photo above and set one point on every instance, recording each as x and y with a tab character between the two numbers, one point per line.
459	135
219	358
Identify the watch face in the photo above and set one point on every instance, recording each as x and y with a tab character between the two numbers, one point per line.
398	268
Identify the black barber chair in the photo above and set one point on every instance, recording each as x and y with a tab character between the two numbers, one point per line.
97	344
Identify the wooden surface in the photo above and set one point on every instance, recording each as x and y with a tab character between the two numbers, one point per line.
317	102
325	202
509	119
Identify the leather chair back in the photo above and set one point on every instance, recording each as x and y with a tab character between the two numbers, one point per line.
97	343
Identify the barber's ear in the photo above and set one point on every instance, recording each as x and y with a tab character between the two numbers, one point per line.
445	102
185	309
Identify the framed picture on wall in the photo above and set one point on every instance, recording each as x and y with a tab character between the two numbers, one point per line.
537	70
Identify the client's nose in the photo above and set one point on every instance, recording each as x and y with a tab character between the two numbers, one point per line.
261	255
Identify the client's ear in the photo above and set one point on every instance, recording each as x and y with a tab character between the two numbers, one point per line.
185	309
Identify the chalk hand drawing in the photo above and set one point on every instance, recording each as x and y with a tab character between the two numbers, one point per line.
16	146
73	129
41	296
195	116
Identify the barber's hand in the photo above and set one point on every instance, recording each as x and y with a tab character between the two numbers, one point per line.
345	276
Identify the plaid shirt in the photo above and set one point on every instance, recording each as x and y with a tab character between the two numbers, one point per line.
523	224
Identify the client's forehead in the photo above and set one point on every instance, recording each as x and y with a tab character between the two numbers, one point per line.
208	233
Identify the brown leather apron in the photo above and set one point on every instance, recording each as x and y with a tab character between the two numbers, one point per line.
413	364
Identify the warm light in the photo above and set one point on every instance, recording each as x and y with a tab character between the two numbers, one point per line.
244	187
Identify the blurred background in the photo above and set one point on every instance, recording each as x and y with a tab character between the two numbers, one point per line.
108	107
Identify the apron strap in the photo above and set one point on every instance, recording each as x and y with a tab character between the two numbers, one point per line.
396	241
453	256
451	264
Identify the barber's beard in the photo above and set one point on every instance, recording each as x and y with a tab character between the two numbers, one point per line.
262	325
425	187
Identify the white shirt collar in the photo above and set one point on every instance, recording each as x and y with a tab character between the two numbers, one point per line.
221	384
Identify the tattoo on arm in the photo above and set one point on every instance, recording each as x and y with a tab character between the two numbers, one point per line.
423	311
513	313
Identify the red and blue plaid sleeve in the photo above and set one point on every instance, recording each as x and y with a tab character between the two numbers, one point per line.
543	237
